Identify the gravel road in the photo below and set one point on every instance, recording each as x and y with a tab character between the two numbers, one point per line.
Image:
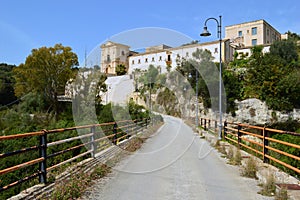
175	164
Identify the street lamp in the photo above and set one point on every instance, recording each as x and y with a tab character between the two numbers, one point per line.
207	33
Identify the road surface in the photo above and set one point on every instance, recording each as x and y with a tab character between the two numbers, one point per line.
175	164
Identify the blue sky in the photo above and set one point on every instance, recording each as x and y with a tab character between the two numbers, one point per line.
83	25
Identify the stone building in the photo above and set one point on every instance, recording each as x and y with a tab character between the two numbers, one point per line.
112	55
252	33
239	37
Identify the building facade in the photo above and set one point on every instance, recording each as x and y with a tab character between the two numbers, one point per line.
252	33
239	37
112	55
169	56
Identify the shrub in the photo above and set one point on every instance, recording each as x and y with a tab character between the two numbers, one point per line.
237	157
282	194
269	187
74	187
230	154
250	169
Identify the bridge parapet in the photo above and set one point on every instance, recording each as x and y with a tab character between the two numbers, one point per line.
58	147
261	142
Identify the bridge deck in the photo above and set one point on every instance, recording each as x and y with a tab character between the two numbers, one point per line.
175	164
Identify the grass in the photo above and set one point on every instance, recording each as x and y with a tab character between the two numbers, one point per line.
250	169
281	194
235	157
74	187
220	148
230	154
269	187
135	144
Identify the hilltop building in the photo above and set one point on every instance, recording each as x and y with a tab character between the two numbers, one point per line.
244	36
252	33
112	55
238	37
169	56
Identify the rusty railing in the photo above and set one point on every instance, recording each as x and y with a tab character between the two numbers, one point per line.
260	141
48	147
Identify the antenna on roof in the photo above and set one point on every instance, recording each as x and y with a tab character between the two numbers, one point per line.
85	57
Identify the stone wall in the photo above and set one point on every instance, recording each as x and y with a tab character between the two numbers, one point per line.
254	111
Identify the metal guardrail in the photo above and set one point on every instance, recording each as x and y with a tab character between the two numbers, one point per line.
114	132
258	140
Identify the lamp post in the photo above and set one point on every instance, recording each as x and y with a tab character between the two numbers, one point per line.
207	33
197	107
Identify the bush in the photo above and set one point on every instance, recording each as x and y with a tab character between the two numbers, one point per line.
250	169
230	154
220	148
74	187
282	194
294	151
269	187
237	157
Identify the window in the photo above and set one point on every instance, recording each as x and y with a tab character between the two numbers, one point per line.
160	58
187	54
254	30
254	42
169	57
108	58
146	60
240	33
123	53
152	59
139	61
132	62
268	32
216	50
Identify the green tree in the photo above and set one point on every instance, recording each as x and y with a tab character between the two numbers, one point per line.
202	67
6	84
285	49
46	71
274	77
121	69
293	36
233	88
149	78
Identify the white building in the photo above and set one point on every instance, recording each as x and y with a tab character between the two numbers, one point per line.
239	37
247	51
163	57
